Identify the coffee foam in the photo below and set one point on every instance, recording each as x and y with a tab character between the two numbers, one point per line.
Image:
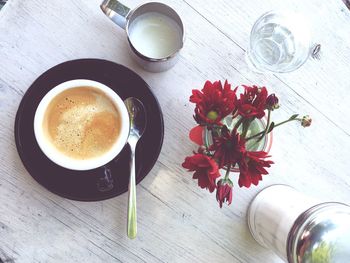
82	122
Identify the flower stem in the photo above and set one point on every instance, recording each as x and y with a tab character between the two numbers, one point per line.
215	130
234	113
245	129
267	125
227	172
238	123
283	122
278	124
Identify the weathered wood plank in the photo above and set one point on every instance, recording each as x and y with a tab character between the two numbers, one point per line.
178	222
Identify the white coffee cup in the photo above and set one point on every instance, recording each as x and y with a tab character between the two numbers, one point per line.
59	157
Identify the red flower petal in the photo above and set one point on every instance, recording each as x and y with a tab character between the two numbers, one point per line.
252	167
206	170
228	148
223	193
213	100
196	135
252	103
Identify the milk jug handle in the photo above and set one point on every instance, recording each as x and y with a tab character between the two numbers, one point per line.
116	11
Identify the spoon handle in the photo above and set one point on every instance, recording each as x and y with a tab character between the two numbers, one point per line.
132	218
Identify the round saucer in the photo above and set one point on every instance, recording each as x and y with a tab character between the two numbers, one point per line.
112	179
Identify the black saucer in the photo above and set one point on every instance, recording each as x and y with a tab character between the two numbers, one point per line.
112	179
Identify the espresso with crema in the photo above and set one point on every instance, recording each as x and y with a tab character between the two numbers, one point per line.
82	123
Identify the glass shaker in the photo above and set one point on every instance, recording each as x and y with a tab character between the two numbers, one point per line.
300	229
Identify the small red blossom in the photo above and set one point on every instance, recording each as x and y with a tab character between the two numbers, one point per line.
252	102
252	167
272	102
228	147
205	170
213	103
224	192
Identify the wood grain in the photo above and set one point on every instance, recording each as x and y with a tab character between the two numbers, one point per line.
178	222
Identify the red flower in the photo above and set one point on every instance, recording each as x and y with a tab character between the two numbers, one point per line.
252	102
252	167
206	170
224	192
213	103
228	147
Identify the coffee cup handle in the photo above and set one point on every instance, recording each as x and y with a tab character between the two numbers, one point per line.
116	11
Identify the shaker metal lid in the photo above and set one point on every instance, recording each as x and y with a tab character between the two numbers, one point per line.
321	235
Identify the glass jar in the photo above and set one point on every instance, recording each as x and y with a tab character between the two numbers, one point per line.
299	228
258	125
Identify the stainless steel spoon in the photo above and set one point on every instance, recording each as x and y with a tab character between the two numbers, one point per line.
138	123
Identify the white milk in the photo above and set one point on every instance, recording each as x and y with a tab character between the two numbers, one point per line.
155	35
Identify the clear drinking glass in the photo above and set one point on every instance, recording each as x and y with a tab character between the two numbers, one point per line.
279	42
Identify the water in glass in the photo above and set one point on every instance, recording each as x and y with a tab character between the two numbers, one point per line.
278	43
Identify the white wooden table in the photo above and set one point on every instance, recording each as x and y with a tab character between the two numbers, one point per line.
178	222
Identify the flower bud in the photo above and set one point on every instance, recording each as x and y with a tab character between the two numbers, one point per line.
306	121
224	191
272	102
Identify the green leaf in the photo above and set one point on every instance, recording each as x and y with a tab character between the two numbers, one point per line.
294	116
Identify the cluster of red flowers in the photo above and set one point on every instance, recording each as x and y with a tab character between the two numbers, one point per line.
214	103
